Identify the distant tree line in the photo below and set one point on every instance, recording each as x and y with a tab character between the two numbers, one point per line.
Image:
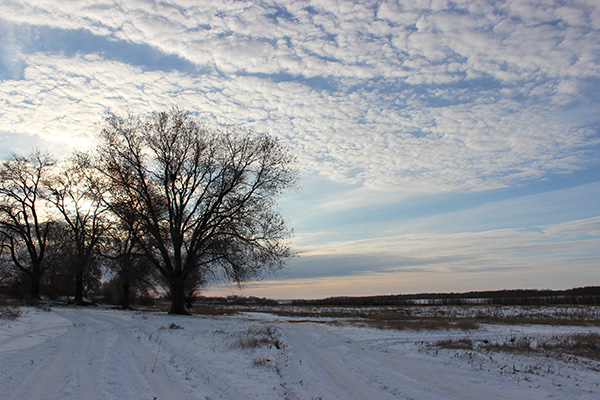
237	300
582	295
163	202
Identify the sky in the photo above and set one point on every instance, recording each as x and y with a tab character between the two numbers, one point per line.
442	146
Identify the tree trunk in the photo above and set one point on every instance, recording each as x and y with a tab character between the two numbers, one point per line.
125	299
35	282
79	285
177	297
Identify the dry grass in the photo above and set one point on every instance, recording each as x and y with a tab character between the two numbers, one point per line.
10	313
439	317
212	310
537	320
384	318
578	344
463	343
261	362
380	318
197	309
582	344
260	337
513	345
434	323
8	310
157	307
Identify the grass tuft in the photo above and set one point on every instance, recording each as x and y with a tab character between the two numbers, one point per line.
261	362
514	344
8	309
463	343
260	337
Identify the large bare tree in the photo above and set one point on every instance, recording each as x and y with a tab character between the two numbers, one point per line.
206	199
24	223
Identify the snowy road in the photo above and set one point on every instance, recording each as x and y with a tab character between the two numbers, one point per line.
85	353
363	373
95	358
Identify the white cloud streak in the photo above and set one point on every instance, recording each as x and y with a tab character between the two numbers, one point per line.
573	243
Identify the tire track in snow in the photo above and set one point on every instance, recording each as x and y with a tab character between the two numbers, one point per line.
9	342
325	363
61	373
162	382
364	373
99	358
11	339
436	379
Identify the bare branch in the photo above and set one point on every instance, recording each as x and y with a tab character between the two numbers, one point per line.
198	194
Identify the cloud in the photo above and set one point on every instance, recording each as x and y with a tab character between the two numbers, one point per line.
574	243
344	39
589	227
551	230
398	97
555	256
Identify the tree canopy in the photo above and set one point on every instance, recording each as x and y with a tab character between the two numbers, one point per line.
204	200
24	226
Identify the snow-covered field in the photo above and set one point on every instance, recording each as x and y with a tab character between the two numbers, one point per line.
100	353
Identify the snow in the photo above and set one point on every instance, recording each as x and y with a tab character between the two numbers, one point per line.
101	353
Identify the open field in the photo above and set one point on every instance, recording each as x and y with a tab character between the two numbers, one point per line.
289	352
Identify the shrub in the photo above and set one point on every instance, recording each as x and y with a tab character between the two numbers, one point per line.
254	338
463	343
9	312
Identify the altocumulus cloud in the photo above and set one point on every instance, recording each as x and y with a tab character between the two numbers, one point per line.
424	96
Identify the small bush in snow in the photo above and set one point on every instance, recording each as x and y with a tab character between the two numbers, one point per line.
261	362
9	312
463	343
259	337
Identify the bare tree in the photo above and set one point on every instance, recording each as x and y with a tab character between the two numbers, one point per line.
205	199
76	193
134	273
24	224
